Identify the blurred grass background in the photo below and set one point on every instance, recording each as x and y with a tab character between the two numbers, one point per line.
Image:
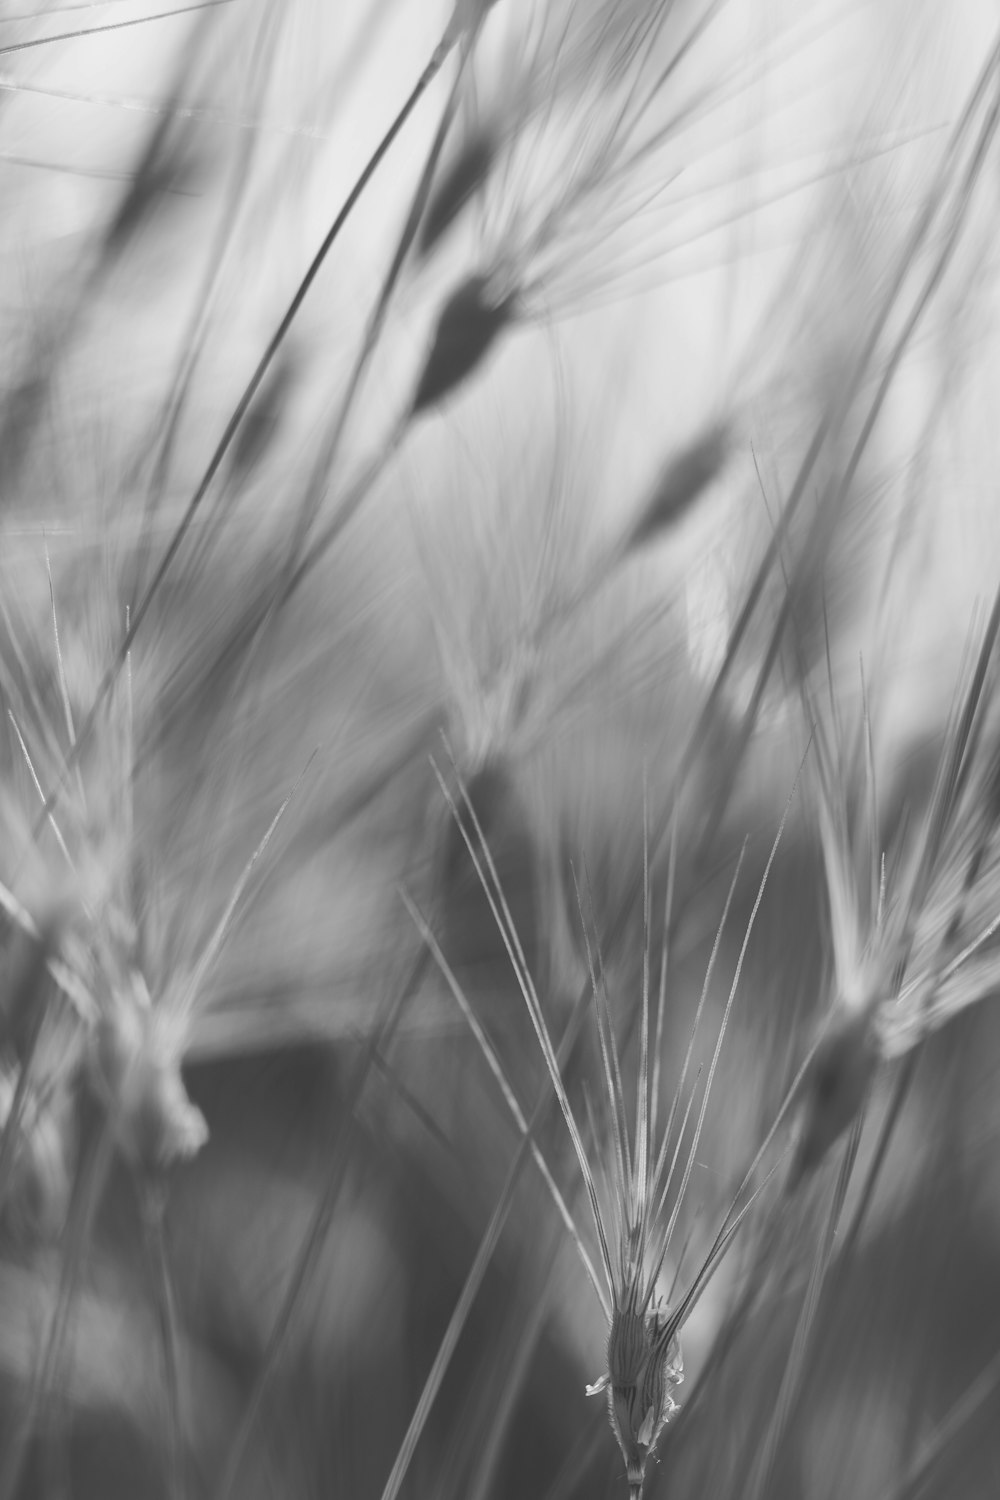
164	187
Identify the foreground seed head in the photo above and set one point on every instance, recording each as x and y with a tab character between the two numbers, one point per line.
637	1207
645	1367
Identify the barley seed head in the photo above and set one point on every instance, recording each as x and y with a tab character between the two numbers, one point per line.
645	1368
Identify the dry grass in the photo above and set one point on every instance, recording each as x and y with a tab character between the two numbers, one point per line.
472	938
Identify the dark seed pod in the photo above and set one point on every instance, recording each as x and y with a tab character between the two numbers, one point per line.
462	180
680	484
469	323
490	793
833	1089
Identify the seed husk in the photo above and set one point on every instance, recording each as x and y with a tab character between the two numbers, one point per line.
680	483
462	180
834	1088
470	322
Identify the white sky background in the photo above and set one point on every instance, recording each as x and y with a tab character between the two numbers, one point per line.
631	370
